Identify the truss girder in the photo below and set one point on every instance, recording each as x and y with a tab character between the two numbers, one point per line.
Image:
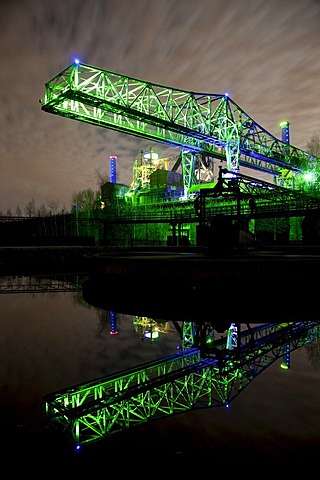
197	122
173	385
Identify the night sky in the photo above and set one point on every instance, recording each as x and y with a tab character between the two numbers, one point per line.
265	54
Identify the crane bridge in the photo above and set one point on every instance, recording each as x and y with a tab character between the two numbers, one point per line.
197	123
208	129
205	374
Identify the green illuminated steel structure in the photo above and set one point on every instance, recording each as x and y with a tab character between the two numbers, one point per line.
207	373
204	375
202	124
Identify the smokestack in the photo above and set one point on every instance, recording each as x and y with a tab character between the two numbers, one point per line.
285	127
113	169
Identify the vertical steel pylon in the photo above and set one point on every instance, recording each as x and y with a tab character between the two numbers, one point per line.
188	165
232	337
187	340
230	135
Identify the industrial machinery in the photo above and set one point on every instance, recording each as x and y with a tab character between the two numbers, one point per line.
215	139
208	372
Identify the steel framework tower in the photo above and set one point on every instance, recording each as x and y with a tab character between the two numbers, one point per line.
198	123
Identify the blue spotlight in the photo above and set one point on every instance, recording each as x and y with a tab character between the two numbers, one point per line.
77	447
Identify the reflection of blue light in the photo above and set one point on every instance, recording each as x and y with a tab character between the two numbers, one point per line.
113	323
76	61
77	447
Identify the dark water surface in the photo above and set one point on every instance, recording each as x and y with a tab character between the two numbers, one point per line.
51	341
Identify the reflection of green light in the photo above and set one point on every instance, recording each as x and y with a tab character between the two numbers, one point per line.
284	366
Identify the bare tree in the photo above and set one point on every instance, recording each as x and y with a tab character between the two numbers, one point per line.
313	146
18	212
43	211
102	178
86	200
30	208
53	206
313	350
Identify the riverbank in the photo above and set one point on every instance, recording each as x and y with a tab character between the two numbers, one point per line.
267	285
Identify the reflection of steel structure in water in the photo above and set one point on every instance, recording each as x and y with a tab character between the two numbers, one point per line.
209	375
113	323
38	285
149	328
232	337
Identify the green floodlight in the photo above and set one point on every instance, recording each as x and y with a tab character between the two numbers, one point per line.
308	177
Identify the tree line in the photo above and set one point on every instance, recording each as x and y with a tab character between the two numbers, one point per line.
83	201
86	200
89	200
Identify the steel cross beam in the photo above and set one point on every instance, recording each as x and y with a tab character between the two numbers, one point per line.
194	379
198	123
251	198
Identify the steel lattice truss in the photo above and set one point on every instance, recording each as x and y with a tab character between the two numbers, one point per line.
205	377
270	200
210	124
17	285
